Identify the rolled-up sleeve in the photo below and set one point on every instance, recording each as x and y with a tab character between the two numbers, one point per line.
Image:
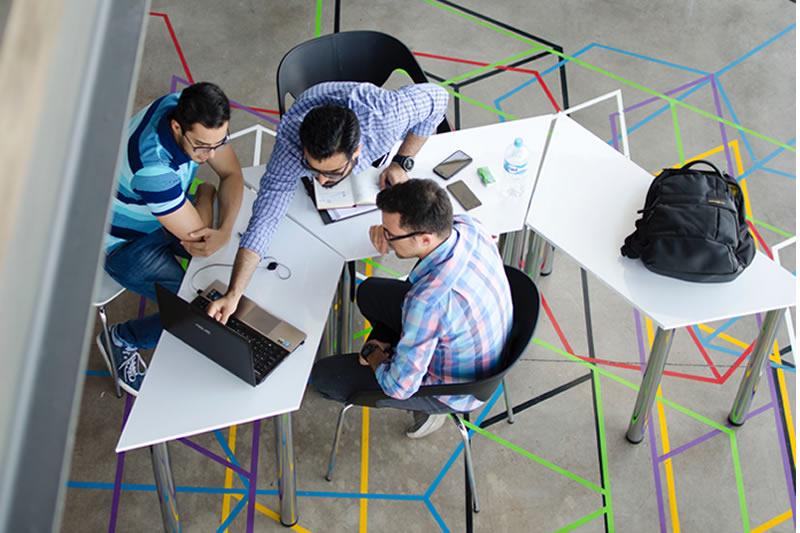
429	104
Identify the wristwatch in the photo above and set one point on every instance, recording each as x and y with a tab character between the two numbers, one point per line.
406	162
367	350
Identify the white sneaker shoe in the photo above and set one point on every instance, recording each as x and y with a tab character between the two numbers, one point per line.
424	424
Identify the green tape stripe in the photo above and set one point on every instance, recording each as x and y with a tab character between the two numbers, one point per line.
481	104
490	67
535	458
601	435
362	333
627	383
769	227
613	76
737	469
381	267
193	186
677	129
578	523
318	21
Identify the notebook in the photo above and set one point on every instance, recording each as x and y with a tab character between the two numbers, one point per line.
250	345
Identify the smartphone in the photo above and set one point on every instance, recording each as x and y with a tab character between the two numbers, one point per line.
454	162
464	195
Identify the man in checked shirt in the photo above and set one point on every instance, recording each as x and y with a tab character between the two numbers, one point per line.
447	324
332	130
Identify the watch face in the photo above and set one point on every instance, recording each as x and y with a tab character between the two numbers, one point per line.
405	161
367	349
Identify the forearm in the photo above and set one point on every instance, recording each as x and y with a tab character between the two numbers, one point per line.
243	267
411	144
230	200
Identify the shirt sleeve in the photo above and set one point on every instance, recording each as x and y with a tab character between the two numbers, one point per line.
160	188
275	193
402	375
428	105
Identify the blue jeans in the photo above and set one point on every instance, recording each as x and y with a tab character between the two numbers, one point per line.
137	265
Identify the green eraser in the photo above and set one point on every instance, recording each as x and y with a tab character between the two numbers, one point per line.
486	175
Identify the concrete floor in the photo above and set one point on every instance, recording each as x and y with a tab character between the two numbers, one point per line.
566	464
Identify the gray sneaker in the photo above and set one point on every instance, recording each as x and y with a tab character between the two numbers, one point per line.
130	365
424	424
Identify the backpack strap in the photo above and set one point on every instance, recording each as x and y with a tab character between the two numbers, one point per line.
709	163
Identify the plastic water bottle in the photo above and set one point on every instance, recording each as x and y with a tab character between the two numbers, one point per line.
515	164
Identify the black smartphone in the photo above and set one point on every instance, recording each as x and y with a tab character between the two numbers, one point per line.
454	162
464	195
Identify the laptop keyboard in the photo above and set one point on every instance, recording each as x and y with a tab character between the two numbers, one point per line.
266	354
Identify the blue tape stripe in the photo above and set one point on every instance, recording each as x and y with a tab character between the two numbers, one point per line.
714	334
231	456
759	163
756	49
437	517
652	59
735	120
233	514
778	172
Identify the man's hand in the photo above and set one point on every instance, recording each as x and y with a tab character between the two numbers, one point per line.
206	241
392	175
380	344
378	239
220	310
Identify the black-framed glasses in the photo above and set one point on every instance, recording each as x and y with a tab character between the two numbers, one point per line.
206	149
392	238
334	176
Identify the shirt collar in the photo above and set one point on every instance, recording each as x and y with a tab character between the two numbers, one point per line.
179	157
439	255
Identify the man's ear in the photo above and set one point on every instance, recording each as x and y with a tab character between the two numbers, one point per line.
176	128
356	152
427	238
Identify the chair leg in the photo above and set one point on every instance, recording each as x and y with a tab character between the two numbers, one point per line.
101	311
339	424
509	409
468	458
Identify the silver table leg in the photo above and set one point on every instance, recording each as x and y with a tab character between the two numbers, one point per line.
650	382
533	260
755	367
165	487
284	452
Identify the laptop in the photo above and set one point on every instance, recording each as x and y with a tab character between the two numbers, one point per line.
250	345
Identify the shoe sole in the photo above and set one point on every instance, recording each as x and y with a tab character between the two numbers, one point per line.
107	358
427	429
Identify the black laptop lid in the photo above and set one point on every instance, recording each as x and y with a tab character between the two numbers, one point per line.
194	327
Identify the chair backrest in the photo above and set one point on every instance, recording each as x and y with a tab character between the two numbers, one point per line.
345	56
527	302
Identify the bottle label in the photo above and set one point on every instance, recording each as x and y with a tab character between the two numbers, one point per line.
515	168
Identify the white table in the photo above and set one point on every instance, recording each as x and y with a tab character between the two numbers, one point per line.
585	204
184	393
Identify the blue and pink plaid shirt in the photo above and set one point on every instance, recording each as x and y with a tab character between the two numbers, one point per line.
384	117
456	317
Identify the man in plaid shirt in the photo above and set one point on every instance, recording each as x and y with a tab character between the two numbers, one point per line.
447	324
332	130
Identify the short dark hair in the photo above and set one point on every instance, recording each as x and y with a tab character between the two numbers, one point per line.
202	102
422	204
330	129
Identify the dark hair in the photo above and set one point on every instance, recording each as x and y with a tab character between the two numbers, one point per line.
330	129
423	206
203	102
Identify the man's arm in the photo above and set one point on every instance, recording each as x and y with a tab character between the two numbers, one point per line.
207	240
394	173
243	267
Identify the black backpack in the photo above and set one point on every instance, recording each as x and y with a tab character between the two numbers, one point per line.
693	226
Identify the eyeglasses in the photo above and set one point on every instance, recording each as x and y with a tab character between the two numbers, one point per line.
206	149
392	238
334	176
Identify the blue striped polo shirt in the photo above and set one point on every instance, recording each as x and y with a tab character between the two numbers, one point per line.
154	177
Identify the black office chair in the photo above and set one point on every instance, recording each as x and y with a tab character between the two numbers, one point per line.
346	56
526	299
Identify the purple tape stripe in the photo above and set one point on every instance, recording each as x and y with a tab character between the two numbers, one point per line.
251	498
177	79
787	468
112	522
224	462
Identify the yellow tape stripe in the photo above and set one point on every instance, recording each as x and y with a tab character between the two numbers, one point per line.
226	500
724	336
362	515
272	514
668	472
774	522
747	210
775	356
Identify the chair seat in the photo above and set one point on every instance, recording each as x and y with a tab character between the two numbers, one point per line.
106	290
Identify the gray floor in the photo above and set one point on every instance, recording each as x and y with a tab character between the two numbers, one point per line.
565	463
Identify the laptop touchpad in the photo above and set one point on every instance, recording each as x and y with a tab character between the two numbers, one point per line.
255	317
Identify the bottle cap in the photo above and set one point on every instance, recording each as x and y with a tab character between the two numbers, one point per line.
518	142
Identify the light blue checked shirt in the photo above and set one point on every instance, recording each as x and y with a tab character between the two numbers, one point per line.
384	117
456	317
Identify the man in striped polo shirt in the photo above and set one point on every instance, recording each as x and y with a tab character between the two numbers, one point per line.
153	219
447	324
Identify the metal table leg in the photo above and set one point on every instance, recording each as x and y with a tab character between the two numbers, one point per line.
755	367
165	487
650	382
284	453
533	260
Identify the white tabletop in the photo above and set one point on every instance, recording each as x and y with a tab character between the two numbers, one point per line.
499	213
585	204
184	393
